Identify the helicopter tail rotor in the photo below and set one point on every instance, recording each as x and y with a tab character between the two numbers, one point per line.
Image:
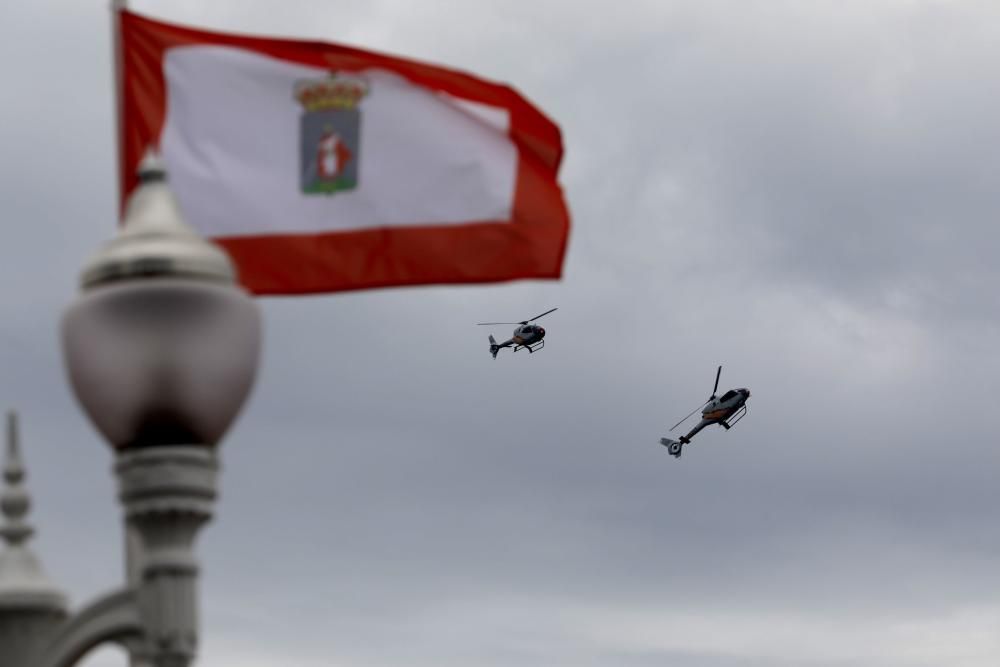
673	446
494	348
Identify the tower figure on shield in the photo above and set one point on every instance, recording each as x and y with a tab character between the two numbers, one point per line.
332	155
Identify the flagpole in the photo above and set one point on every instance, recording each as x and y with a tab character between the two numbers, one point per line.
133	553
117	7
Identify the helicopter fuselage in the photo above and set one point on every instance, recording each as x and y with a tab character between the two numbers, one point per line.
719	409
526	335
723	407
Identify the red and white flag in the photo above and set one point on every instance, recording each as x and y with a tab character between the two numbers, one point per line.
324	168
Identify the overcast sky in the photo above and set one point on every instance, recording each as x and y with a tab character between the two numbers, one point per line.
804	192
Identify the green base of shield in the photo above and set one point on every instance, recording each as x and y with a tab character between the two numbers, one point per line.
328	187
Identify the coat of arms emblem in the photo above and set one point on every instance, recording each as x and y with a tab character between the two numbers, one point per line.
330	132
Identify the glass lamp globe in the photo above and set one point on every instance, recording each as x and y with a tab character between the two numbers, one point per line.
161	345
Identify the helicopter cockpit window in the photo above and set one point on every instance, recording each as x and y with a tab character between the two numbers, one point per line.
729	394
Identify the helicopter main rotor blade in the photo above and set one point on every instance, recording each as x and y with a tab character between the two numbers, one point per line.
484	324
716	388
542	315
689	415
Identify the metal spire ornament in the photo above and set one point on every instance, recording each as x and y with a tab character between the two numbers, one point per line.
23	583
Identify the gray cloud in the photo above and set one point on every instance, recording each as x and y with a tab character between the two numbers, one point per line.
801	192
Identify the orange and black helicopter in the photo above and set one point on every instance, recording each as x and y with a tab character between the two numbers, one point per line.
725	410
526	335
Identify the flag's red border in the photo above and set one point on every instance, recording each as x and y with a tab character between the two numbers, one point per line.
530	245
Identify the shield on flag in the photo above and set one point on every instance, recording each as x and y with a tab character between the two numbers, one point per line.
330	132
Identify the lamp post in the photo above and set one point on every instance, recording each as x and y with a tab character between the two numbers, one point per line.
161	348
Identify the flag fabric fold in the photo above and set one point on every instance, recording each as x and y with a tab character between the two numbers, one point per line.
325	168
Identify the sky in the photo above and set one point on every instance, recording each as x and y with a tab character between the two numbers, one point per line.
802	192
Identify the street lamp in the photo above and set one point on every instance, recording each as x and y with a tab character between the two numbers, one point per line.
161	347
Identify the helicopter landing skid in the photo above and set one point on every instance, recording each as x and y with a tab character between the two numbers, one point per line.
739	414
531	348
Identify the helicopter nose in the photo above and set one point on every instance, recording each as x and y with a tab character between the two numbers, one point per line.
541	332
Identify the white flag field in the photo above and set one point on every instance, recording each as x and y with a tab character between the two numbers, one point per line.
324	168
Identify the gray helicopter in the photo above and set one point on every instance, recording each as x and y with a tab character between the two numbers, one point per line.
725	410
526	335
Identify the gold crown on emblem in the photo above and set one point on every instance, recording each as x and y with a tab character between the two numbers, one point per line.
333	92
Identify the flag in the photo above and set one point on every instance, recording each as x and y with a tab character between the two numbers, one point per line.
324	168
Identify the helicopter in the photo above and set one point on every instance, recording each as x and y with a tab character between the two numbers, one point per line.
526	335
725	410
